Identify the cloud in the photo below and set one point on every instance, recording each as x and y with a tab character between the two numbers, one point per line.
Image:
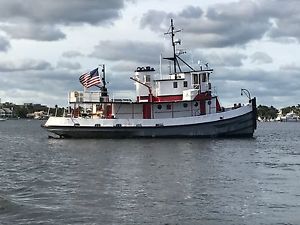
261	58
191	12
72	54
24	65
220	59
221	26
291	67
264	85
231	24
68	65
136	51
34	31
61	11
49	86
285	15
158	20
155	20
20	20
4	44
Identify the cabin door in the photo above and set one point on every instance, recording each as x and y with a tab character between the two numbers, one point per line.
146	111
202	108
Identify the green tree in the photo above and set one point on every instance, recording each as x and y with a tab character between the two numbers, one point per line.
266	112
20	111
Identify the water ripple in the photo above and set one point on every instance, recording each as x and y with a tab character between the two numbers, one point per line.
149	181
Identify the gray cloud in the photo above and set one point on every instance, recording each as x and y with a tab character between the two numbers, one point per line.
191	12
261	58
285	15
33	31
262	84
61	11
68	65
160	20
219	59
142	52
291	67
24	65
39	86
155	20
221	25
72	54
43	22
4	44
231	24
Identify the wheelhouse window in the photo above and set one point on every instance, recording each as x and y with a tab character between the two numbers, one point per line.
204	77
175	85
196	78
185	83
147	78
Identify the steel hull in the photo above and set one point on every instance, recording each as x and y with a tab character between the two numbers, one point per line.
241	126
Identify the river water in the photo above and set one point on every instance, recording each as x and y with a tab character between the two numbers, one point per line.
149	181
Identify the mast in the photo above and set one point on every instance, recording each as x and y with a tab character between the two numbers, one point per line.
174	47
174	58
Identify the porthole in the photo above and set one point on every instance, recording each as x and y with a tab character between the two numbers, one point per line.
159	107
196	104
185	105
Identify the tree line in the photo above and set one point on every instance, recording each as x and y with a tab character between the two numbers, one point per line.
270	112
22	111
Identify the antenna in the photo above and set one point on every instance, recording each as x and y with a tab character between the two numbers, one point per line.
160	66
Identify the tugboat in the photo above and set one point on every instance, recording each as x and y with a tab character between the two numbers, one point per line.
181	104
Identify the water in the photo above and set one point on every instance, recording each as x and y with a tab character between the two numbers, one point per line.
149	181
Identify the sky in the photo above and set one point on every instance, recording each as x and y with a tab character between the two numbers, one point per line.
46	45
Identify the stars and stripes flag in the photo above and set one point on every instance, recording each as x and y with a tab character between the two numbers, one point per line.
90	79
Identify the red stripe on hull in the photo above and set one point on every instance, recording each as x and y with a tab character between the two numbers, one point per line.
170	98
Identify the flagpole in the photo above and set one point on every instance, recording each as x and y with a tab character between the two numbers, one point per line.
103	78
104	90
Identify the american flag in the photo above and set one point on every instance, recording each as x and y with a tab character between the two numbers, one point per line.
90	79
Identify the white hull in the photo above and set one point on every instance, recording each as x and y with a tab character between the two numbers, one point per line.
238	122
